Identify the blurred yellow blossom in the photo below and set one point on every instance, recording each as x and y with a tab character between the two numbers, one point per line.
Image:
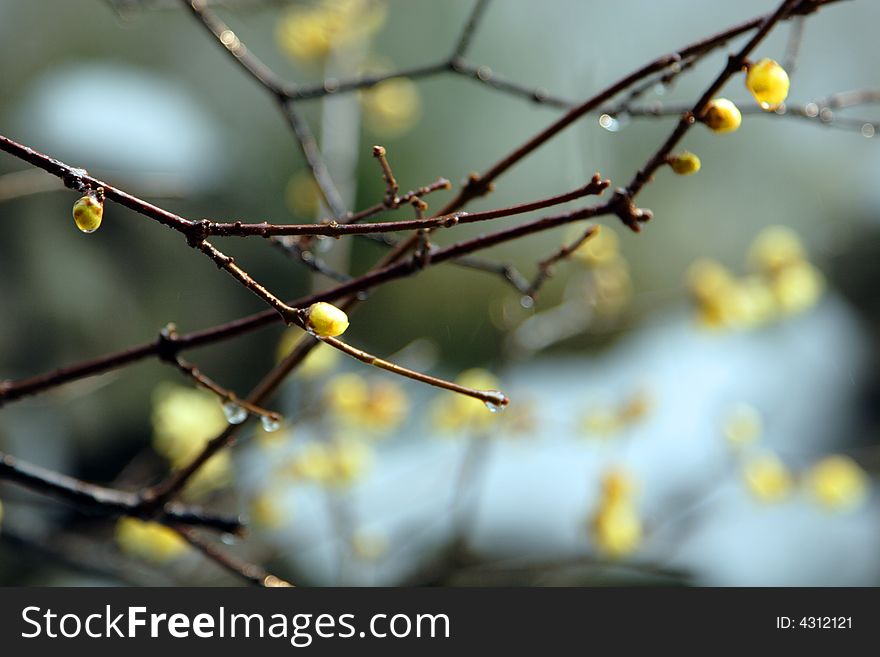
310	33
837	482
336	463
379	406
742	426
604	422
453	412
615	526
785	284
612	286
368	546
601	249
302	194
149	540
775	248
184	420
767	478
320	360
265	511
797	288
392	107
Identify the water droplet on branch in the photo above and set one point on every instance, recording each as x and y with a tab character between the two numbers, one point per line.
270	423
234	413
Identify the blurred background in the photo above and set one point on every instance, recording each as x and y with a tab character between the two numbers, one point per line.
696	404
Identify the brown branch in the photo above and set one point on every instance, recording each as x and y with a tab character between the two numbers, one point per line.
107	500
480	184
12	390
249	572
688	119
546	266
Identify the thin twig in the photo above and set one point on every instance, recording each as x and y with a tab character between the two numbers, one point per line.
546	266
249	572
107	500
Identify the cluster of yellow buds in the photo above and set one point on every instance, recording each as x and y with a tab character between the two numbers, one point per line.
184	420
459	414
375	405
612	285
766	80
615	526
149	541
310	33
783	283
605	422
336	463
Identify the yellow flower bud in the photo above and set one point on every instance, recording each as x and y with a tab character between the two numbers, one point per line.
768	82
684	163
88	212
326	320
837	482
722	116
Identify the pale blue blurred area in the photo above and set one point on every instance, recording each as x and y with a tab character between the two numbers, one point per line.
122	118
538	491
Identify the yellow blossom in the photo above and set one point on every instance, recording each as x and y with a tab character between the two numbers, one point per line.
149	540
459	413
775	248
797	287
601	249
837	482
767	478
310	33
336	463
184	420
392	107
346	394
